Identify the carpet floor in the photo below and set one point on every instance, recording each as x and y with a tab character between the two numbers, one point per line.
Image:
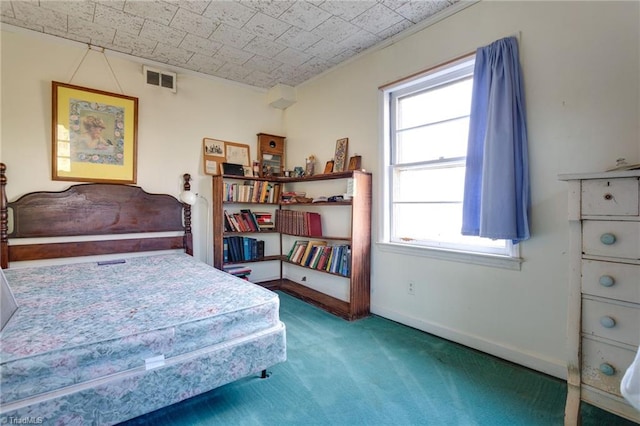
378	372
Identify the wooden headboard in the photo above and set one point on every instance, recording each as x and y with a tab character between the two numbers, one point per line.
96	210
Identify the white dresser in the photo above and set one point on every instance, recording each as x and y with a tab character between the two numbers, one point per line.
604	289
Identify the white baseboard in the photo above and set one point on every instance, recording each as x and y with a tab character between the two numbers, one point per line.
556	368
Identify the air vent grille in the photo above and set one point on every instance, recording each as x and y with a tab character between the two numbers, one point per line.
164	79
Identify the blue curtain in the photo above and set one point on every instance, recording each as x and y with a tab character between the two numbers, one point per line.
496	192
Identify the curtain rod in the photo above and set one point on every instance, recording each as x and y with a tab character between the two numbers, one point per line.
517	35
425	71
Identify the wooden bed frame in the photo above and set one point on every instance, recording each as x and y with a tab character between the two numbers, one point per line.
73	213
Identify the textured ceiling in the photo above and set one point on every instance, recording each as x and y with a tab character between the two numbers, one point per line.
259	43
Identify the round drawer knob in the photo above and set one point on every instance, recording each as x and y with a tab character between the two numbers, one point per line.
607	281
607	322
608	197
607	369
607	239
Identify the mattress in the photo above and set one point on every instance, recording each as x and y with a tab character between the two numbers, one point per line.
82	322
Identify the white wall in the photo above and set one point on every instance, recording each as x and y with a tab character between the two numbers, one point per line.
170	125
581	72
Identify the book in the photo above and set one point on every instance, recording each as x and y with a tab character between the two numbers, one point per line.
322	259
225	249
314	224
246	248
345	267
253	245
263	194
259	249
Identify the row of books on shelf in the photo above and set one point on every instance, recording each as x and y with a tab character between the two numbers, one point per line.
322	256
295	222
252	192
242	249
247	221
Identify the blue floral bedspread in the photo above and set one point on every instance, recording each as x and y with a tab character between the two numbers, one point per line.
85	321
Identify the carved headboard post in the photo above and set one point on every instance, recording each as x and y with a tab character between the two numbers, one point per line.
4	219
188	236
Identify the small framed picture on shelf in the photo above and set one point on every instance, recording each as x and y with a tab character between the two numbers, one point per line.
310	165
340	157
232	169
328	168
248	170
355	162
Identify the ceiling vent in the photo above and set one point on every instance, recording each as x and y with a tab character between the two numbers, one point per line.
159	78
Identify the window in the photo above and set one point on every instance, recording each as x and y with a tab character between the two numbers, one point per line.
426	127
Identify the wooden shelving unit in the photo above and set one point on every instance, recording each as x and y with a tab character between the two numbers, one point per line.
359	239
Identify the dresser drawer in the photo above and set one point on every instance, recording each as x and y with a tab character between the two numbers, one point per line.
620	281
611	239
610	197
611	321
604	365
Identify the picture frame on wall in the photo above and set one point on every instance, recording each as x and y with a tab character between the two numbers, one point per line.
237	153
340	156
213	154
94	135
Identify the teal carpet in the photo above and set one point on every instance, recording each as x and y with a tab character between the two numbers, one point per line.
377	372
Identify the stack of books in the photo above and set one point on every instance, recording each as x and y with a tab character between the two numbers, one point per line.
265	220
239	271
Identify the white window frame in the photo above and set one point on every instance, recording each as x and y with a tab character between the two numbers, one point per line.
509	259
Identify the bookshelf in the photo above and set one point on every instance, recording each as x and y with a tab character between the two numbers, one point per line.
354	215
227	203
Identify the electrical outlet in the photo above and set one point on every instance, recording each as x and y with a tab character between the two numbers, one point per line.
411	289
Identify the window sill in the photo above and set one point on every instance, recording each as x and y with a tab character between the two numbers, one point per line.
496	261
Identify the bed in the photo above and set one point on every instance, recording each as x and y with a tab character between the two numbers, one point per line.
137	326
